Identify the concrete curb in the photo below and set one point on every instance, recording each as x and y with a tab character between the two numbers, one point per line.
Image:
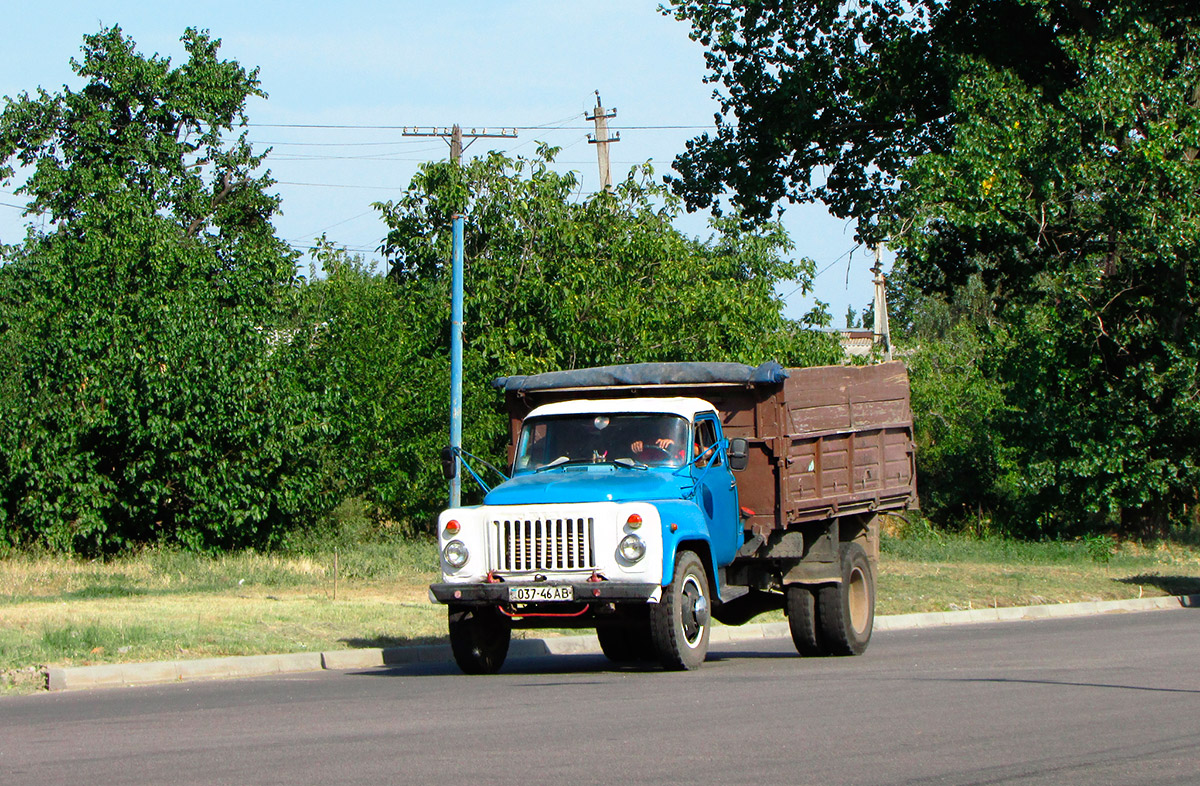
179	670
79	677
936	618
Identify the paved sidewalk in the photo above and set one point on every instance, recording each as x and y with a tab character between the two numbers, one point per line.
77	677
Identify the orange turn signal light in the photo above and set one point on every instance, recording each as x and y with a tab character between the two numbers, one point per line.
634	521
452	528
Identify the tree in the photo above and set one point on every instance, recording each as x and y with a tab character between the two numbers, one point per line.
1080	212
1045	150
551	283
148	399
378	360
847	89
858	91
606	280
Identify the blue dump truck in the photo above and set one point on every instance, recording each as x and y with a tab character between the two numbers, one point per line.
646	501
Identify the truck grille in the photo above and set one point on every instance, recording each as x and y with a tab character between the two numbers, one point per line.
531	544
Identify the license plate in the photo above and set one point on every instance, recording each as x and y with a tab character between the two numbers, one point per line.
540	593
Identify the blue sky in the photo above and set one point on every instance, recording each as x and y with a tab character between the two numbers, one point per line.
533	64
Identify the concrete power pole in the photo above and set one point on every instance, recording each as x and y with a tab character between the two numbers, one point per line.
601	140
882	333
455	136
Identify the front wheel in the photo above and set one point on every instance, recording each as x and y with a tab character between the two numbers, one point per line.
479	638
846	611
680	621
626	641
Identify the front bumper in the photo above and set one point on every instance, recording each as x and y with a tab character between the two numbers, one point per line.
583	591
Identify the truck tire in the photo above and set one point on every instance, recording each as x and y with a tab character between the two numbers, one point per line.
626	641
846	611
800	604
479	638
680	621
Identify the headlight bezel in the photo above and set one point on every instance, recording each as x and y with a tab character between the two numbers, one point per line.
456	554
631	548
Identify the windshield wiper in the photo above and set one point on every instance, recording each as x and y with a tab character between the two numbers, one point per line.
562	461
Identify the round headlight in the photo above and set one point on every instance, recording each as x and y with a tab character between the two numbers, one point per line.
456	554
632	548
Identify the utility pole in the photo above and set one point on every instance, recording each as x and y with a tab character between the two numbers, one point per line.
455	138
601	140
882	333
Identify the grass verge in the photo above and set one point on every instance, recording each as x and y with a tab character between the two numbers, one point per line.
166	605
951	573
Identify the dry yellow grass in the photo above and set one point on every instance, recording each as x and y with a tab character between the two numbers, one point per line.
906	586
25	576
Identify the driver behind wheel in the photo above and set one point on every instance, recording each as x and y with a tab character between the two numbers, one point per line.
661	451
662	443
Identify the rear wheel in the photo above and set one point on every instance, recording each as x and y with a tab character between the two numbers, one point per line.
846	611
800	604
479	638
680	621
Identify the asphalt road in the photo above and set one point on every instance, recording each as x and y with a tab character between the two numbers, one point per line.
1112	699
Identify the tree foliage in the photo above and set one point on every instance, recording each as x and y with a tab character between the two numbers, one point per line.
379	363
820	100
1078	209
559	283
147	396
829	101
552	282
1044	150
166	377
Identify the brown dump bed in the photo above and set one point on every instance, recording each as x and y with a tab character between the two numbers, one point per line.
824	442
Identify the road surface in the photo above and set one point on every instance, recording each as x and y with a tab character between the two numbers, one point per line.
1097	700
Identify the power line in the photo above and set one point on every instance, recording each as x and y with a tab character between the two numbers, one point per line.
331	226
364	127
824	270
301	157
338	144
340	185
306	249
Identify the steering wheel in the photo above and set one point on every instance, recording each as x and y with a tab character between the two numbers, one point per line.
653	453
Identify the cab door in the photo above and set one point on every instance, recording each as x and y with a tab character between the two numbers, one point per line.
716	490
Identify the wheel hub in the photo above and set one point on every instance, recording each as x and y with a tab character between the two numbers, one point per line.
859	601
694	608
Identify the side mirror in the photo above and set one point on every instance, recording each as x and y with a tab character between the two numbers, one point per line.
738	453
449	464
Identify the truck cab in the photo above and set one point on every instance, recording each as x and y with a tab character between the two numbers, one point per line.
605	500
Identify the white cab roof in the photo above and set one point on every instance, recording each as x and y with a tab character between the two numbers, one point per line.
684	407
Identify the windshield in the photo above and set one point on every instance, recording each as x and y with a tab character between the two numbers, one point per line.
656	440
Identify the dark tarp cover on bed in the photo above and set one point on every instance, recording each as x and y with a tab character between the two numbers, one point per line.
634	374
